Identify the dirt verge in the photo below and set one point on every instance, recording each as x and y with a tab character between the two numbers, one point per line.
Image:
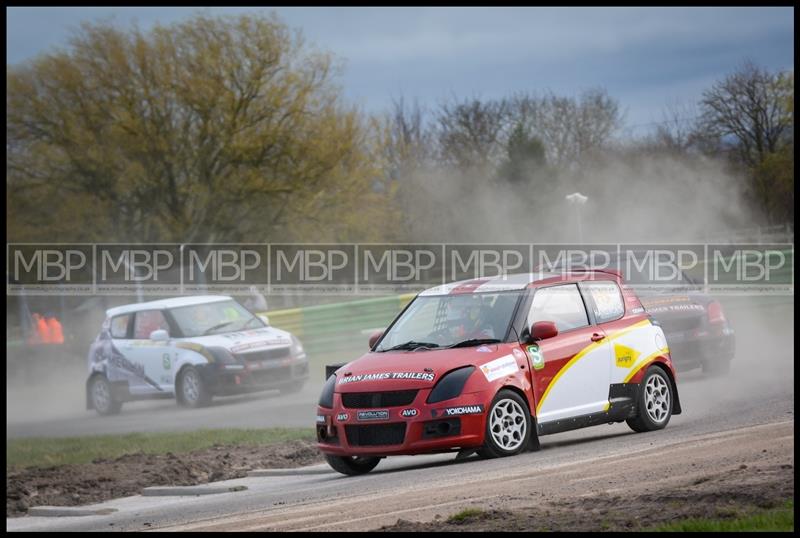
725	495
101	480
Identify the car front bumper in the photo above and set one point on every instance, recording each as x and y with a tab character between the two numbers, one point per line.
224	381
387	431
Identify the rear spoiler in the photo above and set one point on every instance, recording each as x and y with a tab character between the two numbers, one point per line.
616	272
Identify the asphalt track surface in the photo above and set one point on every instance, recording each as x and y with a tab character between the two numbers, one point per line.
712	435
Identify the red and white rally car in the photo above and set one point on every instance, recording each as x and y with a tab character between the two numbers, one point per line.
489	365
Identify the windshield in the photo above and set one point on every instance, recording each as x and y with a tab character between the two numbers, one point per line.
449	320
214	318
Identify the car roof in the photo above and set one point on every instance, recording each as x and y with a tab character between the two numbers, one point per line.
514	282
167	303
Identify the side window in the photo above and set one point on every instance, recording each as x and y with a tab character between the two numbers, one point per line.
560	304
119	326
607	299
148	321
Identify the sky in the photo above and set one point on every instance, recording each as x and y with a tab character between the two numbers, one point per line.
647	58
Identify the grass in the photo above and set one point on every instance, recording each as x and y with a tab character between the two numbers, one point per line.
775	519
465	514
46	451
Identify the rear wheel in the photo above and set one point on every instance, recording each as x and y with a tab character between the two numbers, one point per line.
191	390
654	402
102	397
508	426
352	465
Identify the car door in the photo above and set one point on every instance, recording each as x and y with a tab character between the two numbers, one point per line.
605	302
154	358
117	352
570	370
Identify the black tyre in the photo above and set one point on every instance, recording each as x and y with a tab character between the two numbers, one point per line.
654	402
716	367
352	465
102	396
508	426
191	390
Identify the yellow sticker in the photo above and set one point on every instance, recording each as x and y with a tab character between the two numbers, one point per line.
625	357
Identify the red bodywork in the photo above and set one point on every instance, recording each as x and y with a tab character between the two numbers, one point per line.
477	391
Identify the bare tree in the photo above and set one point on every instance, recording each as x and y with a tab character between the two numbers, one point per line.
570	128
409	141
748	108
470	133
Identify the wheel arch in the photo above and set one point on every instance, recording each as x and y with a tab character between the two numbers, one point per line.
676	404
95	373
519	392
175	384
534	433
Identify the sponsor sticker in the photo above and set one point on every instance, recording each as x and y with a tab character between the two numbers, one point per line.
383	414
457	411
408	413
422	376
537	360
341	417
676	308
166	362
518	353
505	365
624	357
320	419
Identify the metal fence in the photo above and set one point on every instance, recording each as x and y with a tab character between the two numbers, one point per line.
778	233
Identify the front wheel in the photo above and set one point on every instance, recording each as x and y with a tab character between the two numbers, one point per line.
654	402
191	390
508	426
102	396
352	465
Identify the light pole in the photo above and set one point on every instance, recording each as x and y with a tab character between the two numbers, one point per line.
577	199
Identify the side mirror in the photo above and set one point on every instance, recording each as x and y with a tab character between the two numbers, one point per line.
542	330
374	337
264	318
159	335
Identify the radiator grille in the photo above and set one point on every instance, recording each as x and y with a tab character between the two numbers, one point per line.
267	354
367	400
376	434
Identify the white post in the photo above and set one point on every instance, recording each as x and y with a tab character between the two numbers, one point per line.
577	199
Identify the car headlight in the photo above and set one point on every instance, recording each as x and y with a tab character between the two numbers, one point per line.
326	398
225	358
450	385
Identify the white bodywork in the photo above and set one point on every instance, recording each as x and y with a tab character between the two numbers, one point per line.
151	367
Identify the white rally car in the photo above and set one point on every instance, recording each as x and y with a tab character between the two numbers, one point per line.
189	348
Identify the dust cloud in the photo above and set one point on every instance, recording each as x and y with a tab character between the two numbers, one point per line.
632	198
